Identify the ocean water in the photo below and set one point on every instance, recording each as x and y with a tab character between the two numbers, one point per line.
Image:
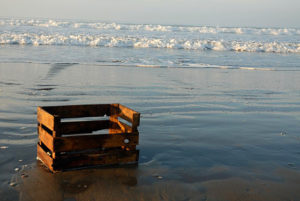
220	108
69	41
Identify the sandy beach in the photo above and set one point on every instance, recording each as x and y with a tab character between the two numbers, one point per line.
205	133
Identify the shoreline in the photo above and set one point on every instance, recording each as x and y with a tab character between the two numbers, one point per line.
210	134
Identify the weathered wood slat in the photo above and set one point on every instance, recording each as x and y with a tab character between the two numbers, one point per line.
46	138
83	126
45	118
126	113
64	144
75	111
124	127
91	153
111	158
44	157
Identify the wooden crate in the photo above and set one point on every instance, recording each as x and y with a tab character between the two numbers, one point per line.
69	135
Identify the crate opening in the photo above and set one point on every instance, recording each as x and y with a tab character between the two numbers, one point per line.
74	111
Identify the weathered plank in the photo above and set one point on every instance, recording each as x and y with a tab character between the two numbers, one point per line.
124	127
83	126
75	111
44	157
109	158
45	118
126	113
89	153
74	143
46	138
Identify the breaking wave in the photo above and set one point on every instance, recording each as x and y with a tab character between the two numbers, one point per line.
74	33
143	42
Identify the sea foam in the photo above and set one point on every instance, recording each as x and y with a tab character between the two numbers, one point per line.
79	33
144	42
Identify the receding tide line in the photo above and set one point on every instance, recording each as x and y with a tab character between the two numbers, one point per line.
253	68
150	66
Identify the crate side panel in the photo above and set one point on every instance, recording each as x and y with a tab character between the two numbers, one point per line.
75	143
122	157
90	153
76	111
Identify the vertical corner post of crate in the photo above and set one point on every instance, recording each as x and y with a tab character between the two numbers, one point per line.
129	126
113	113
56	132
135	121
48	129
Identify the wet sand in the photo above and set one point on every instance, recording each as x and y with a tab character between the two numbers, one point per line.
205	134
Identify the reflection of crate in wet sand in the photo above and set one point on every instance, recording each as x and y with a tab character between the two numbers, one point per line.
66	144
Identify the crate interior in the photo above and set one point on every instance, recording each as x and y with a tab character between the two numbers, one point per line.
92	119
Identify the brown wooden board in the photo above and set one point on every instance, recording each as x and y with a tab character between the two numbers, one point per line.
45	118
126	113
65	155
136	121
73	143
111	158
75	111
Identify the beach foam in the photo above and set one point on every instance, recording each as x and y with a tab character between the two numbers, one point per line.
144	42
79	33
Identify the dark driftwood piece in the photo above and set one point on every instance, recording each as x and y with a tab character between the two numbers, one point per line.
76	144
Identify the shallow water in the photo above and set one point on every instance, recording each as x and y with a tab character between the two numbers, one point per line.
205	133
